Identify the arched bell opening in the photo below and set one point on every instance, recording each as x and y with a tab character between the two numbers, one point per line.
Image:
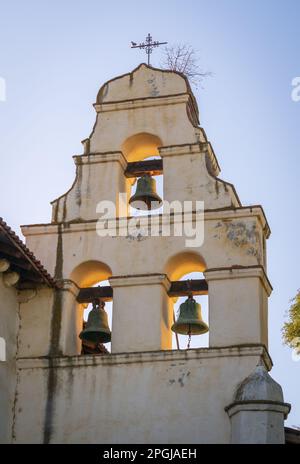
191	314
145	178
96	330
183	263
189	295
140	146
94	309
146	193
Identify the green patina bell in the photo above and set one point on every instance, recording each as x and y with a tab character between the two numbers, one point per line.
190	320
96	329
145	197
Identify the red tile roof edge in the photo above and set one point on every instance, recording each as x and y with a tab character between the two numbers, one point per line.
36	264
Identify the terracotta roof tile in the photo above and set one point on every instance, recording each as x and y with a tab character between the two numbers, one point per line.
28	255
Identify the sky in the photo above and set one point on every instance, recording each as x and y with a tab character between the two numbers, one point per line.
55	55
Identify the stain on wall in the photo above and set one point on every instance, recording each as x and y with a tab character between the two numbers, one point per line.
242	235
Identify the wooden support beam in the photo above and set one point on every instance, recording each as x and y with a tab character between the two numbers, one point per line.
177	289
20	266
4	264
30	276
87	295
26	285
20	263
9	250
138	168
186	287
10	279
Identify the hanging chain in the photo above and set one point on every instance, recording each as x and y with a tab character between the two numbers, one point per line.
190	337
191	299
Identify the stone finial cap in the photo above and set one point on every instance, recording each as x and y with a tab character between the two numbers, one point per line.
260	386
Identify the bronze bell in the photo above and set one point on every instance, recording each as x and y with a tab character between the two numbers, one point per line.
190	320
96	329
145	197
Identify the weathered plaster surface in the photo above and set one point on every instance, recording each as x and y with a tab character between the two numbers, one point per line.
155	397
9	321
131	395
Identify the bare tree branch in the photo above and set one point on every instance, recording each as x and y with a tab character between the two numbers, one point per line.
183	58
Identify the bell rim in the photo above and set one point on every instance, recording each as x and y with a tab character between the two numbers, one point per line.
103	339
155	199
203	328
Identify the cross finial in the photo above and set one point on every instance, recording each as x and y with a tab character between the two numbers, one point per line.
148	45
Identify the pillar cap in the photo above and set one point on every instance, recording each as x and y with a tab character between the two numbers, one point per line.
239	272
201	148
270	406
101	157
258	391
140	279
259	385
69	286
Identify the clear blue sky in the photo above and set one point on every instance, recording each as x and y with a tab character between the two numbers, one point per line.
54	56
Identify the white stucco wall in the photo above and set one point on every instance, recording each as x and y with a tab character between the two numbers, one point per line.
155	397
134	396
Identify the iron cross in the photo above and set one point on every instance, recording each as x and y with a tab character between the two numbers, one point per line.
148	45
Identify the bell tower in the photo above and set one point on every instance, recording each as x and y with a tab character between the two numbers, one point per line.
147	125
